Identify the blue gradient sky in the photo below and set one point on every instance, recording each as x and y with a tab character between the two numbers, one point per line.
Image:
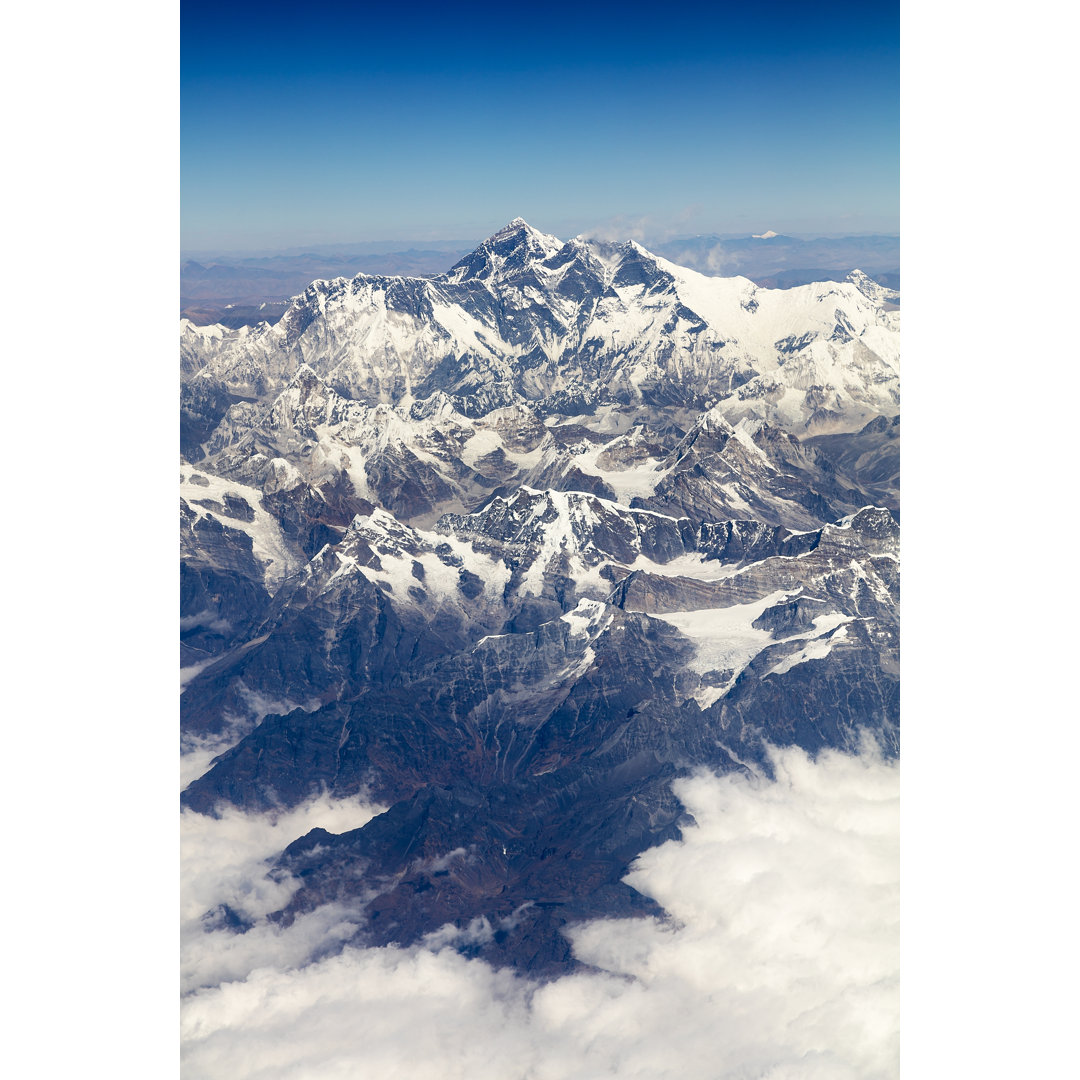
413	121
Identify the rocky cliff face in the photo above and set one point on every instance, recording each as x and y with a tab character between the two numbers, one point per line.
510	549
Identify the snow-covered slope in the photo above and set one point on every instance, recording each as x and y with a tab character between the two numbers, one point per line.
570	326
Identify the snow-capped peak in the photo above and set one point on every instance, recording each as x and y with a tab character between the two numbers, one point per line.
526	319
214	330
515	246
519	226
871	289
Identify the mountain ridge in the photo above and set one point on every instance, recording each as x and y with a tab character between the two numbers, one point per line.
511	549
542	325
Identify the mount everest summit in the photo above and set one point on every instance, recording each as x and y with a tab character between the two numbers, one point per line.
510	548
569	327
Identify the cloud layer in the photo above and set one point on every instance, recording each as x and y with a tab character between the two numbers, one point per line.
780	960
224	863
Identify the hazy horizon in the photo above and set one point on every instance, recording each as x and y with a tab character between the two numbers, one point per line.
390	245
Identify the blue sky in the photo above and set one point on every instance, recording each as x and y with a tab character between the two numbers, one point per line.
413	121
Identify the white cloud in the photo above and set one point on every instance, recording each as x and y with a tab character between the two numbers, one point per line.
619	229
715	259
198	752
224	861
718	258
646	229
780	962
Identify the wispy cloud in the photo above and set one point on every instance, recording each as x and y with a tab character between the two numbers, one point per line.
714	259
644	228
198	751
780	960
619	229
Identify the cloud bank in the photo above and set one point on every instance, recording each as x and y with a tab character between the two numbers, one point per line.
223	871
779	962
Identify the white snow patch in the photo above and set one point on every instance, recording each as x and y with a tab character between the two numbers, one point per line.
816	650
725	637
268	545
389	538
726	640
590	618
627	483
691	565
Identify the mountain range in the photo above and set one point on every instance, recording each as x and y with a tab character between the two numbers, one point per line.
240	290
509	548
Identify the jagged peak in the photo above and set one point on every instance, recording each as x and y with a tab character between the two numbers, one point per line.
517	410
521	229
437	406
304	373
870	288
516	244
212	330
714	420
304	390
868	516
305	378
